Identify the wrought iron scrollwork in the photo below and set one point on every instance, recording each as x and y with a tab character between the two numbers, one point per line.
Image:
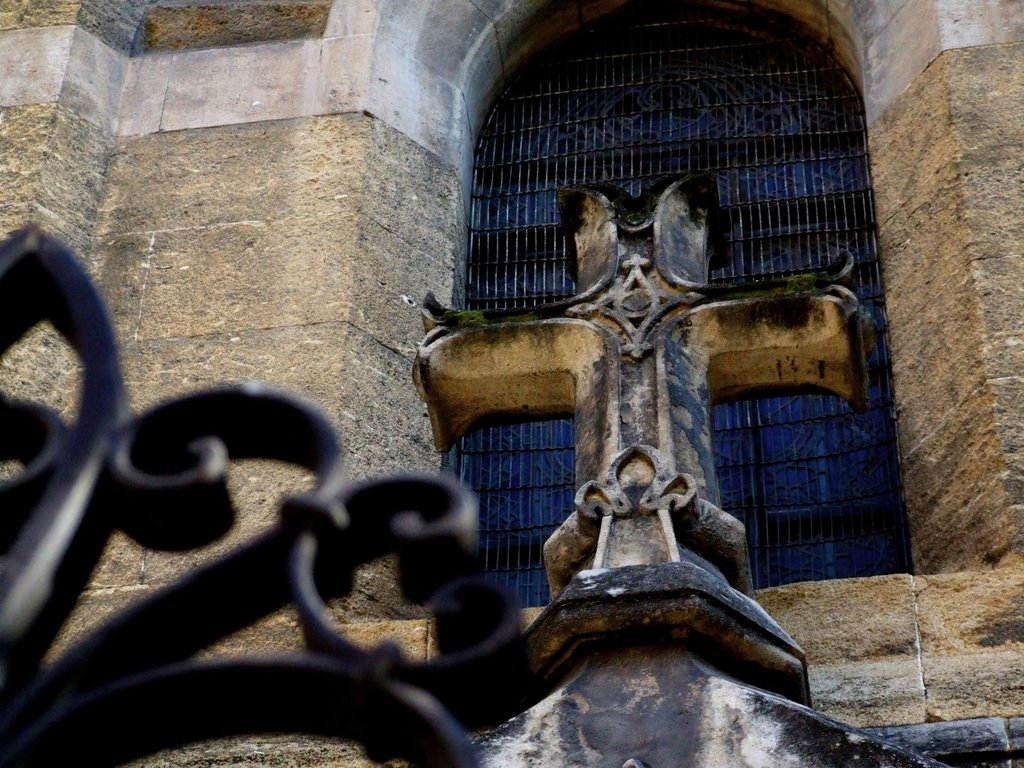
160	477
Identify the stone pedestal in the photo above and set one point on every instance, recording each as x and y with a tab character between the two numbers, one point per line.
666	665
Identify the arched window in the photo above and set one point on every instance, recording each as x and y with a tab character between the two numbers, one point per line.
779	123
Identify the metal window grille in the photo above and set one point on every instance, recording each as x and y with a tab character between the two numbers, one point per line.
782	127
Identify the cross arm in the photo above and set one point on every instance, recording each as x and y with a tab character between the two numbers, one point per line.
524	370
783	343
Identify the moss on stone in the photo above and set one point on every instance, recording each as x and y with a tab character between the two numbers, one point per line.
804	283
796	285
476	318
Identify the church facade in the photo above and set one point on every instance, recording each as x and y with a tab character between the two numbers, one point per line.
268	191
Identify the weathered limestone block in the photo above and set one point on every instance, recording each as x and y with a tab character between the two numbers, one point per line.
869	693
948	196
847	619
990	121
388	273
417	197
123	564
53	174
972	642
115	22
277	224
24	133
256	488
73	173
292	751
271	252
281	632
413	636
968	523
361	384
38	13
860	637
43	368
986	86
186	24
278	633
997	280
94	607
250	274
241	84
229	174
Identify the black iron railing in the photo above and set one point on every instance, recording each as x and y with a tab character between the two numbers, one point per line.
134	685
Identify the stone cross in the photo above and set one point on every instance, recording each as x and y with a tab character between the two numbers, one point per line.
640	354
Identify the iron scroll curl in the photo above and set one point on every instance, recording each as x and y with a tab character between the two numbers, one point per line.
134	685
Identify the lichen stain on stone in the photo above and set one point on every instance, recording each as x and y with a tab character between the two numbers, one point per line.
638	688
734	738
1007	629
534	738
786	313
477	318
573	742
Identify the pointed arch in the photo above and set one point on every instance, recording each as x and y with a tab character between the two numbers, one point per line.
781	125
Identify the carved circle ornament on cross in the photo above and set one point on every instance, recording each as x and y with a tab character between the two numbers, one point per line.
780	126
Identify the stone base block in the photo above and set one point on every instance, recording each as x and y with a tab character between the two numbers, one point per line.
662	707
869	693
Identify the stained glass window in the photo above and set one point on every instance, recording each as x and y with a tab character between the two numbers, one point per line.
781	126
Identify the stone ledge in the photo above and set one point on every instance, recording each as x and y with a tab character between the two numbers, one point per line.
988	741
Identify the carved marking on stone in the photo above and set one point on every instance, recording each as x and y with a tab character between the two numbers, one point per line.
634	304
631	518
637	516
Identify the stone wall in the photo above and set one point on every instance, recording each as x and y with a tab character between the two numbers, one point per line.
289	246
949	184
900	649
881	651
275	210
287	252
